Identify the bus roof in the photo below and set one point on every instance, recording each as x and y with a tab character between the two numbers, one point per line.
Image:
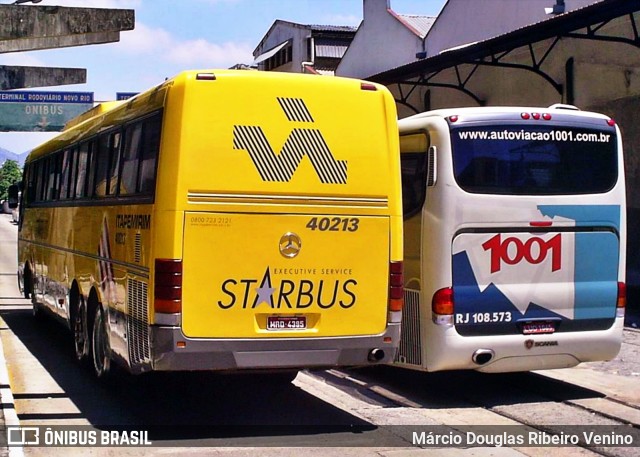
557	113
91	113
110	114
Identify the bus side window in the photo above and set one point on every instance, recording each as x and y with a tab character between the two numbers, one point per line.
92	165
30	185
102	166
39	178
114	166
83	165
73	173
415	159
149	154
130	154
53	184
29	190
67	177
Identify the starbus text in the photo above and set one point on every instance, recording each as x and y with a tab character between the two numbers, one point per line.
298	294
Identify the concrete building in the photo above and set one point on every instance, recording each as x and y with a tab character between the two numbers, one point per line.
385	39
299	48
468	21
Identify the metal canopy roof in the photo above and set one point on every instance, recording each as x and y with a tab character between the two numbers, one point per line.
270	53
584	24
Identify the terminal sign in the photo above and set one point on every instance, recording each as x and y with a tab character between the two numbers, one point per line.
31	111
120	96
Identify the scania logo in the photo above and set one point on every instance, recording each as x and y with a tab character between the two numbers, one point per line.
290	245
530	344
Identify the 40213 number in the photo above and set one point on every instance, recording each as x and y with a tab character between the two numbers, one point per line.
334	224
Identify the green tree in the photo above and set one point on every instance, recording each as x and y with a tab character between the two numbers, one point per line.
10	173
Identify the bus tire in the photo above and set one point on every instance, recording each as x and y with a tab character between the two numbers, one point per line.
26	284
80	326
36	310
100	348
29	292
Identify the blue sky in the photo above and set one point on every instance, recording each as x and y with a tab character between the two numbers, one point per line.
175	35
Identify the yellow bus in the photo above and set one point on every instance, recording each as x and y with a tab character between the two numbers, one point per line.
223	220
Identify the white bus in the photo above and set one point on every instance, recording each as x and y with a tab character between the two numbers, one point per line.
515	239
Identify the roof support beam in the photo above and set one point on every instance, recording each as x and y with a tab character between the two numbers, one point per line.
404	98
557	86
24	77
493	60
462	89
43	23
33	44
592	34
30	28
426	82
537	60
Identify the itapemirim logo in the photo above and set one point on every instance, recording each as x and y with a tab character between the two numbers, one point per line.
301	142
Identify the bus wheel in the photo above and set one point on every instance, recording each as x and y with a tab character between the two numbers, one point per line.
29	292
100	349
26	282
81	330
35	310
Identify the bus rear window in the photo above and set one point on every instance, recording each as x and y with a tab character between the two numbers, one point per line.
540	160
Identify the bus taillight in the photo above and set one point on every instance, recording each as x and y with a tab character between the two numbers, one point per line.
396	286
442	306
622	299
168	286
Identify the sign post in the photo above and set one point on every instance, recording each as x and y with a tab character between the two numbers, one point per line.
34	111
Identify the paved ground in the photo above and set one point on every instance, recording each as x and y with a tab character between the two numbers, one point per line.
628	361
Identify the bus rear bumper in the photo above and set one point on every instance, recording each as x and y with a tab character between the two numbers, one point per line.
525	352
172	351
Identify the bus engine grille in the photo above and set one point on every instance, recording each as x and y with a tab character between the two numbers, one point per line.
137	322
409	351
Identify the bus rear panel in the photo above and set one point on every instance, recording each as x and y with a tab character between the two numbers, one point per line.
522	235
288	223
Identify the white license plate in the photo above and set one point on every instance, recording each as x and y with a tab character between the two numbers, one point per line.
284	323
534	328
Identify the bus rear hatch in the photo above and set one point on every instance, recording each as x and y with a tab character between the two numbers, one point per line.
281	275
521	282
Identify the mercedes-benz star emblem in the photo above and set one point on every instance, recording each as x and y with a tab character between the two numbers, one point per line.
290	245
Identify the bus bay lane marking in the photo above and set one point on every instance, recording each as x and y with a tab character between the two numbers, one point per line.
8	402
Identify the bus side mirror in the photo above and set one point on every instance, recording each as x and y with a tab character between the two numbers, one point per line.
14	195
